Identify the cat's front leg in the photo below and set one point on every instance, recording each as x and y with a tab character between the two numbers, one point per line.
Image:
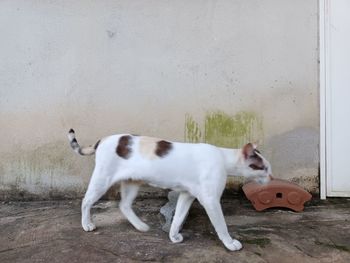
183	205
233	244
213	208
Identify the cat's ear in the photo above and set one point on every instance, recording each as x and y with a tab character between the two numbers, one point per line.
248	150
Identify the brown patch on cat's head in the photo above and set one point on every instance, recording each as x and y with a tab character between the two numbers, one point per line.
124	146
163	148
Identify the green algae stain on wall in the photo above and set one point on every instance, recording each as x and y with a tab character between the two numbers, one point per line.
193	132
225	130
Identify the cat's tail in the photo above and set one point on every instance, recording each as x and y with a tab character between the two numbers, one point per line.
89	150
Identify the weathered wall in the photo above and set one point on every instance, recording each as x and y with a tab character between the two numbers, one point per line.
221	71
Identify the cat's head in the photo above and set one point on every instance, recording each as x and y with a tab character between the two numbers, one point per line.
254	165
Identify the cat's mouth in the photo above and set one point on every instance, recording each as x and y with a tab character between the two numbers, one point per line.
261	179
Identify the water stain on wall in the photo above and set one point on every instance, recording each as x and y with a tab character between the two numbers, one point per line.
51	171
54	171
224	130
294	155
47	171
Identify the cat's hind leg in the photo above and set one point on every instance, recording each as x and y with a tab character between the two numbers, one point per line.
99	184
128	190
183	205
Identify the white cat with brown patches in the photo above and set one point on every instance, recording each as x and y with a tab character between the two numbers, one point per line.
197	171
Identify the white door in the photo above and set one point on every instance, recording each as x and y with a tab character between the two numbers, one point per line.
335	67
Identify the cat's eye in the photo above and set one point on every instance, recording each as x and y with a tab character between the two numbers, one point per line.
255	167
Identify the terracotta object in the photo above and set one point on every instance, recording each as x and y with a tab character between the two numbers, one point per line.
276	193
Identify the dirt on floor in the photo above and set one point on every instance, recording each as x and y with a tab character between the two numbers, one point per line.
50	232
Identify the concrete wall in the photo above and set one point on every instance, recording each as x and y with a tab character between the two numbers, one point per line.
221	71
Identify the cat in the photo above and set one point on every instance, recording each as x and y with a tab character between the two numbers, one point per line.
195	170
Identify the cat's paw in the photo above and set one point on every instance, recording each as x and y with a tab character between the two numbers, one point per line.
233	245
142	227
176	238
89	227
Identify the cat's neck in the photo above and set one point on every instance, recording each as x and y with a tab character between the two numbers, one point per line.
231	157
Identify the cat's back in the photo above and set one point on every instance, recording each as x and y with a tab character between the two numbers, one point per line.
127	146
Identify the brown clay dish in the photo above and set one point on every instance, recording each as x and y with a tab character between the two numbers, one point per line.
276	193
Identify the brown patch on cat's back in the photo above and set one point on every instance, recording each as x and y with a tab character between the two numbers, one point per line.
152	148
124	146
163	148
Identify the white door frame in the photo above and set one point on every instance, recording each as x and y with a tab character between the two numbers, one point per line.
325	102
324	88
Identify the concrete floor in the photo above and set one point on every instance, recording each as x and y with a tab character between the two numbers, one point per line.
51	232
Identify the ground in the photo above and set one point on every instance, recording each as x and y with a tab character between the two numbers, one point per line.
50	232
